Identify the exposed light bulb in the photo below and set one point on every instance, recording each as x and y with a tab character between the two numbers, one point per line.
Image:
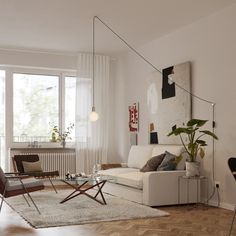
93	115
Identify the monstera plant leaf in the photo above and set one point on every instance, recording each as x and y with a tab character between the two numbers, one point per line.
201	142
197	122
194	136
179	131
209	133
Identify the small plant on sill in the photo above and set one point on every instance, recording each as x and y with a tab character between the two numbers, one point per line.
58	135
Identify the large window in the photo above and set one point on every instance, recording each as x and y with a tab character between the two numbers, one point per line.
38	99
41	99
35	106
34	100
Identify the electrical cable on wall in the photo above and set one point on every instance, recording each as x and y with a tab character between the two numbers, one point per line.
213	159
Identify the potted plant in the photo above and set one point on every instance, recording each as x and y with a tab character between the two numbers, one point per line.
62	136
194	144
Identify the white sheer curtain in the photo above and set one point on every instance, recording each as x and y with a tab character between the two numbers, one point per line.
91	137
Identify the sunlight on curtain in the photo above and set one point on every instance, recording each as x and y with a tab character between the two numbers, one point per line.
91	137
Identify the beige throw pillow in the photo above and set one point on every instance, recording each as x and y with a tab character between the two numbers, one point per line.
153	163
32	166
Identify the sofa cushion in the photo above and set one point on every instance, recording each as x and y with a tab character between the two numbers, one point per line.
131	179
28	183
153	163
139	155
172	148
168	163
126	176
116	171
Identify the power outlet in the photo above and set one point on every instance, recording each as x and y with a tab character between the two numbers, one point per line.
217	184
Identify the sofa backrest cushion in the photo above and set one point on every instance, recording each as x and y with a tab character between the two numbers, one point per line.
139	155
172	148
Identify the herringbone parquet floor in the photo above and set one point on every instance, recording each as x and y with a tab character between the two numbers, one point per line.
183	221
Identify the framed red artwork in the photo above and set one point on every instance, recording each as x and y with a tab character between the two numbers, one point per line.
133	117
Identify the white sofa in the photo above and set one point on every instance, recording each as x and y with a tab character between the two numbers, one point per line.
153	188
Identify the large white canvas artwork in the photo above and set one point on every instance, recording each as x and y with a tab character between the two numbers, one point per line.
168	104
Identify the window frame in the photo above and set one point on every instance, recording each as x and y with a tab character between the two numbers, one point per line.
3	150
10	70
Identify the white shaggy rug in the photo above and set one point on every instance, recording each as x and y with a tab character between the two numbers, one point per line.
79	210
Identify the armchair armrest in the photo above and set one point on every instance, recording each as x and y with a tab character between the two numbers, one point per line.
12	173
17	176
109	166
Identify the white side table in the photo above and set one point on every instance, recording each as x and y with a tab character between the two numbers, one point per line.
198	180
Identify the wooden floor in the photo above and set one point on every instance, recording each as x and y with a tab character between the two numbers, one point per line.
183	220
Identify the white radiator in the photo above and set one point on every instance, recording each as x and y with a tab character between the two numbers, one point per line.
50	161
63	162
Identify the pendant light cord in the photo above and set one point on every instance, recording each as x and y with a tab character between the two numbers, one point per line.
93	71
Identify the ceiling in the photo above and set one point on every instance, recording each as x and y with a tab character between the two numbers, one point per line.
66	25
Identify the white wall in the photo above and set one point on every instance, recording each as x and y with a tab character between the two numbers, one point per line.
121	113
210	46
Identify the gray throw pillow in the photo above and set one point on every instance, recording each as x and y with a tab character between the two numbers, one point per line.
168	163
153	163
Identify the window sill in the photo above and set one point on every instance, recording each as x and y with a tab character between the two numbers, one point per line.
43	149
46	145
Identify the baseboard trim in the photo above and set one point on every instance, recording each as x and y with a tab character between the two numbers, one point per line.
222	205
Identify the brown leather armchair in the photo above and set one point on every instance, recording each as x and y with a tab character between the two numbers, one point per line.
18	167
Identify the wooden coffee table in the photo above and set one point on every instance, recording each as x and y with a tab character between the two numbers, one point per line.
81	186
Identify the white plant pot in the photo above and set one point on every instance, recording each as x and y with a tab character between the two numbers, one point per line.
192	169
